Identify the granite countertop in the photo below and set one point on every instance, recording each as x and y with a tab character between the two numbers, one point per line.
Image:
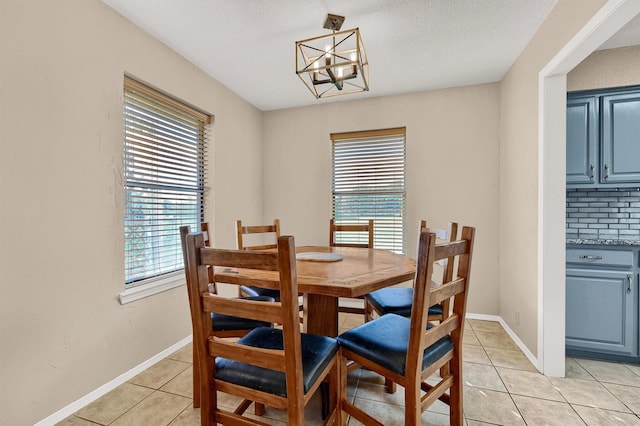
603	242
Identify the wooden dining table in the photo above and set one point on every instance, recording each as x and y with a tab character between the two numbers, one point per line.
323	279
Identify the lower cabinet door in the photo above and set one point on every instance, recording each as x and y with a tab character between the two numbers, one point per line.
602	311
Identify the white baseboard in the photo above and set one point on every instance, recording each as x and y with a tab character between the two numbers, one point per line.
107	387
511	334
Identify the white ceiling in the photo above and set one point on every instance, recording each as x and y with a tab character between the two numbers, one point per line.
412	45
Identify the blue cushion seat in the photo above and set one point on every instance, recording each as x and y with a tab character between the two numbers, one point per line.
230	323
385	341
259	291
396	300
317	353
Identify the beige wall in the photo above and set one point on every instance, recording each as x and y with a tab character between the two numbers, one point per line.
63	332
606	68
519	167
452	168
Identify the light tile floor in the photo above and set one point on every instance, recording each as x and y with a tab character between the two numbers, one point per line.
501	388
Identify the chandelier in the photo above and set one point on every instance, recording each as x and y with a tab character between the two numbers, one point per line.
333	64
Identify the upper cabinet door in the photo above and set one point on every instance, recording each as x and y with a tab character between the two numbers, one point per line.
621	138
582	141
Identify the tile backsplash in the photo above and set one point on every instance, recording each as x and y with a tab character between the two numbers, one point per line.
603	214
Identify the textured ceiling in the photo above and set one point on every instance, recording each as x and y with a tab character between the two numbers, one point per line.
412	45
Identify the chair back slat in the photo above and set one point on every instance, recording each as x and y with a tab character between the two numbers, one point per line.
255	310
444	251
444	328
273	359
258	229
261	247
265	261
447	291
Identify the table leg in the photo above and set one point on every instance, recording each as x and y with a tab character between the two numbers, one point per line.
320	315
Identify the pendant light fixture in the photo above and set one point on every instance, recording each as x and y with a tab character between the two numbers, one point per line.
335	63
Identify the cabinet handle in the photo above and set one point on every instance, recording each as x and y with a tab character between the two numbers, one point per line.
592	172
585	256
630	286
606	172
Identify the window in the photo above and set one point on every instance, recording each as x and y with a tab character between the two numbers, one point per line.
368	182
164	173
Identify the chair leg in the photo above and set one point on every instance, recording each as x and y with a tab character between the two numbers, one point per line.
331	401
325	396
456	391
258	409
390	385
413	408
444	370
208	406
368	311
342	384
196	380
456	415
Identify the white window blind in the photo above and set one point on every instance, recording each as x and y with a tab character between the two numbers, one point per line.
164	169
368	182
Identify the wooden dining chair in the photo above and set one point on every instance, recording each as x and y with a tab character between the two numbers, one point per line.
243	230
351	235
258	231
398	300
221	325
280	368
409	350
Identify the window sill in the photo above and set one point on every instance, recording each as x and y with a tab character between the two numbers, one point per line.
152	286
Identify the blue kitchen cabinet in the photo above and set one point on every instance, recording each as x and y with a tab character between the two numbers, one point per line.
603	138
582	141
621	138
602	303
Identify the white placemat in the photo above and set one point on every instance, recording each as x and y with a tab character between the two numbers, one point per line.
319	256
